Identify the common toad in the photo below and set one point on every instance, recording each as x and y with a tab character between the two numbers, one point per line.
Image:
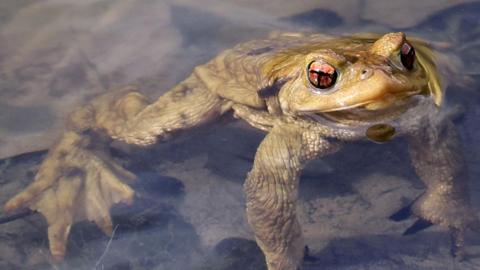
311	93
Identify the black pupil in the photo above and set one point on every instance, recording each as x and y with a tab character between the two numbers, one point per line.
319	78
407	56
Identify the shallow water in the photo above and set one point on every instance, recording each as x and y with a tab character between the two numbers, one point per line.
55	55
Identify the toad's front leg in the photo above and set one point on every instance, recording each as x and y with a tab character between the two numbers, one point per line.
437	159
272	189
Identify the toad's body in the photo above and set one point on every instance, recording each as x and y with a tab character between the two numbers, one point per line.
311	93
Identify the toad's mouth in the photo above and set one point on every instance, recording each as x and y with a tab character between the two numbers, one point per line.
371	112
365	114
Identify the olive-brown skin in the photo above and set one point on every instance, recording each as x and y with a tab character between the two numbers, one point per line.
265	82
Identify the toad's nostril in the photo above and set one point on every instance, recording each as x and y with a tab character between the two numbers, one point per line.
365	73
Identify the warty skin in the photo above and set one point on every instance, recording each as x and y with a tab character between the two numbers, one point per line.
268	84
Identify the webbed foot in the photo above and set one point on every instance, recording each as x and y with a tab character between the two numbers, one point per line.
438	208
75	182
406	213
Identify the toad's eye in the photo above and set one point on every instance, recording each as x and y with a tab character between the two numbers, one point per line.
321	75
407	55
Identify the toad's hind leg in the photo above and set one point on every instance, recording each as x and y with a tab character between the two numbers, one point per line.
187	105
79	180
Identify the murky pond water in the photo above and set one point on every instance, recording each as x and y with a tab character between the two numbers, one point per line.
189	210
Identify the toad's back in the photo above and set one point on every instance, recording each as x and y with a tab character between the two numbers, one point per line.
239	73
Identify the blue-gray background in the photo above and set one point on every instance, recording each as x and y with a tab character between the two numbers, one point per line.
57	54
